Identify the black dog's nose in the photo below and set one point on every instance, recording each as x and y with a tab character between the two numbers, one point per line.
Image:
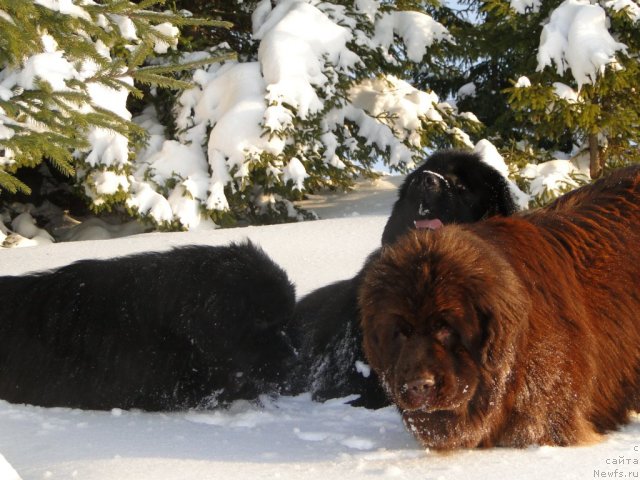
430	179
433	180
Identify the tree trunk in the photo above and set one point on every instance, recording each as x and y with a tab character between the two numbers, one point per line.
596	164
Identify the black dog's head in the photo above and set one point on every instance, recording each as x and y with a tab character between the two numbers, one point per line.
450	187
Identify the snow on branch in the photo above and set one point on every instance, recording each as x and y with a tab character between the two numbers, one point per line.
417	30
313	106
389	112
631	7
297	39
576	38
304	105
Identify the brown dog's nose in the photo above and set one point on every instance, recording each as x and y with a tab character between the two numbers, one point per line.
418	393
421	385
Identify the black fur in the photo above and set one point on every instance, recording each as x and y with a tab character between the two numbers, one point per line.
452	186
159	331
198	325
472	190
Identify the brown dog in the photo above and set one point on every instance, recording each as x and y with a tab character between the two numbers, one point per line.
513	331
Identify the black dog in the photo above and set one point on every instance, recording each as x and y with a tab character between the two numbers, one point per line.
200	326
450	187
186	328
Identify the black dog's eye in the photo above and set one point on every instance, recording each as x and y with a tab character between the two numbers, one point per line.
461	187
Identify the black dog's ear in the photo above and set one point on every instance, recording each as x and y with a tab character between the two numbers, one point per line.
503	204
399	222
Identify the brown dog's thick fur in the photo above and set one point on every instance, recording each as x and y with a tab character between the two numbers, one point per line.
513	331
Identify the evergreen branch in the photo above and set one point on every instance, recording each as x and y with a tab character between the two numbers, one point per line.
10	108
115	83
189	65
160	81
11	184
147	32
179	20
145	4
115	6
140	54
63	165
73	96
110	121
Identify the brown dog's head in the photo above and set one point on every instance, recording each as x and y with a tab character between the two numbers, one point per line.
440	314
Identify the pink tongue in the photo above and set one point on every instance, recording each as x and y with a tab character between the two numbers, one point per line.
431	224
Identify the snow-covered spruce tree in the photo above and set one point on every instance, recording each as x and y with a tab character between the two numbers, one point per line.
583	97
492	45
556	84
67	69
316	100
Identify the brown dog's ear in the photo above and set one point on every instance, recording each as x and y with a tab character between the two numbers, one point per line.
503	324
489	351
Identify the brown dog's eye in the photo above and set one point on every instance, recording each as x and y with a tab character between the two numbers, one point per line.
444	334
402	330
377	340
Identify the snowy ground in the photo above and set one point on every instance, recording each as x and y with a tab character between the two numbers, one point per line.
287	438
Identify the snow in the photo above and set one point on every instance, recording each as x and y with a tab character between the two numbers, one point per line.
471	117
65	7
295	172
554	176
245	111
49	66
389	113
126	26
467	90
363	369
490	155
162	168
417	30
285	438
576	38
369	7
108	148
243	114
295	39
461	136
25	226
168	30
6	471
406	105
230	99
98	229
146	200
260	14
5	16
631	8
299	45
565	92
108	182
